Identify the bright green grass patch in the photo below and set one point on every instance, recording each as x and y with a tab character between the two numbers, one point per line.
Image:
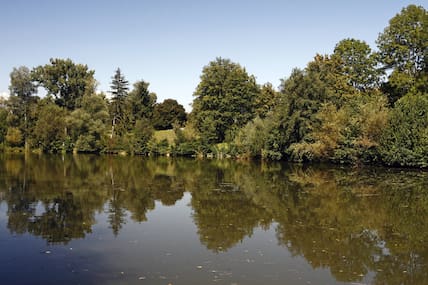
169	135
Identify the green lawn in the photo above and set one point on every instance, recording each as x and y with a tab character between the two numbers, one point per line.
169	135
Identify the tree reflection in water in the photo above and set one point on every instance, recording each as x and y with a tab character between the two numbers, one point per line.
352	221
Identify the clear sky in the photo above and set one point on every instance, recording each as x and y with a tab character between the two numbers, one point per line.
167	42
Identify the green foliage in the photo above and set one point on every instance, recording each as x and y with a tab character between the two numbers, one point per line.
405	140
319	115
14	137
252	138
21	100
224	100
141	101
187	141
143	132
403	48
168	113
346	134
50	128
359	64
21	83
302	96
88	126
65	80
3	124
222	150
118	107
159	147
266	101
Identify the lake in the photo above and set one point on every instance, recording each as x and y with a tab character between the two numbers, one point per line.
87	219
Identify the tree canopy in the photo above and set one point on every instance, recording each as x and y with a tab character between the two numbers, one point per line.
224	99
403	49
168	113
359	62
65	80
22	95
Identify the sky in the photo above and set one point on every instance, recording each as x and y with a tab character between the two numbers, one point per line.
168	42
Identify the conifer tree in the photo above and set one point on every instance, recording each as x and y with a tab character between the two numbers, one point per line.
119	91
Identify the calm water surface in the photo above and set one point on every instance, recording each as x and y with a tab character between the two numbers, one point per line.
132	220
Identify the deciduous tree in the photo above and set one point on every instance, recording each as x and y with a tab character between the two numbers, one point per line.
403	49
167	113
405	140
359	63
65	80
50	128
224	100
22	96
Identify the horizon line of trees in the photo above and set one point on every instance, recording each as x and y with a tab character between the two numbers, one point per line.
356	105
73	117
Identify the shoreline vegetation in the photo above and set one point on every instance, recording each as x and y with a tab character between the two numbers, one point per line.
354	106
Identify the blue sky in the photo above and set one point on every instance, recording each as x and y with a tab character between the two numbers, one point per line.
168	42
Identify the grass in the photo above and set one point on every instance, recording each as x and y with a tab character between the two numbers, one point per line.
169	135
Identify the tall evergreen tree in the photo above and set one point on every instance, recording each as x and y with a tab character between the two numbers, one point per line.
119	91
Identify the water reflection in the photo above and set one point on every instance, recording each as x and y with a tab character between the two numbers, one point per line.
355	222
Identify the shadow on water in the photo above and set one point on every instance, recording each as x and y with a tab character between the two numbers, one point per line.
353	222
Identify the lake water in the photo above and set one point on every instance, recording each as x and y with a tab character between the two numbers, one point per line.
132	220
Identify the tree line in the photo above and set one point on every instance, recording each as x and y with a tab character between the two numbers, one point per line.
74	117
356	105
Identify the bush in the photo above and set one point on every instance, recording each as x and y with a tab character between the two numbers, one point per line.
14	137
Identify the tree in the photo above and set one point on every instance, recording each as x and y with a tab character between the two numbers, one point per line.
167	113
405	140
359	63
224	100
143	132
251	139
65	80
294	118
141	101
266	101
88	124
119	91
50	128
22	91
3	124
349	133
403	48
